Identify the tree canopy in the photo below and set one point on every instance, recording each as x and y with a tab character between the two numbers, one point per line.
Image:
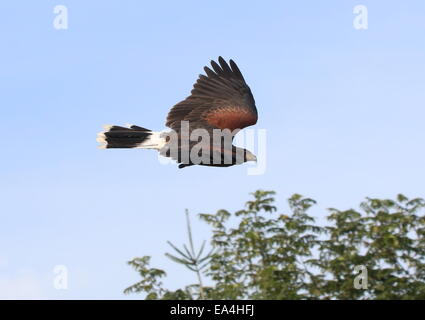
376	252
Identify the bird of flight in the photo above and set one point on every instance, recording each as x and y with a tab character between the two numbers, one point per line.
202	126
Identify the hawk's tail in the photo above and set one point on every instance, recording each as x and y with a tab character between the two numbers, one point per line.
131	137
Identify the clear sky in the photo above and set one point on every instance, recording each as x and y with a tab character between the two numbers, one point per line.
343	109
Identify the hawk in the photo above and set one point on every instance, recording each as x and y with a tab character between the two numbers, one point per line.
220	101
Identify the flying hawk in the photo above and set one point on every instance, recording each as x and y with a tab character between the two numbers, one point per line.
220	101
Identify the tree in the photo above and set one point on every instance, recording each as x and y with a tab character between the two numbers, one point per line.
377	252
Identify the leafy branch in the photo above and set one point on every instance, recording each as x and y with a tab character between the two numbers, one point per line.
191	259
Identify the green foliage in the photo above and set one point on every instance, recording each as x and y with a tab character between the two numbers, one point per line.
150	283
191	260
388	239
260	254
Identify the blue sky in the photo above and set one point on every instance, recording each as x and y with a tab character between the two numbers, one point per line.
343	109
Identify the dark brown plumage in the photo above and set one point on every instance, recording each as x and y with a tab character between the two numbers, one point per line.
221	99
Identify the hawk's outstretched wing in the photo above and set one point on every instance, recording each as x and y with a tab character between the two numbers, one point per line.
221	100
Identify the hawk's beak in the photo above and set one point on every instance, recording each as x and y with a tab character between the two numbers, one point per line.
251	157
